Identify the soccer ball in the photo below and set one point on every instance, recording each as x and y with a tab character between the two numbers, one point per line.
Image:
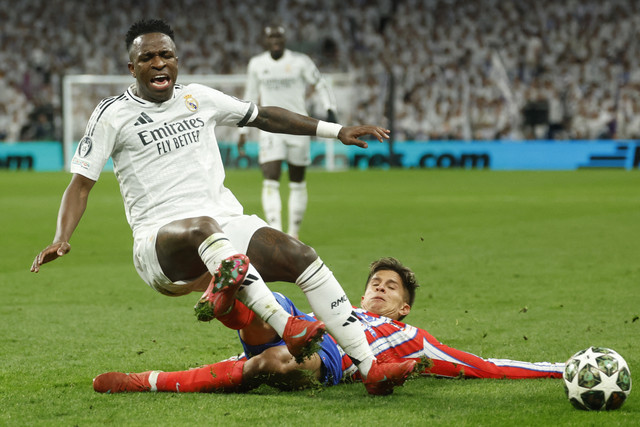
597	378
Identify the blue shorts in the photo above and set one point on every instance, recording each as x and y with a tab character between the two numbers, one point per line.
329	354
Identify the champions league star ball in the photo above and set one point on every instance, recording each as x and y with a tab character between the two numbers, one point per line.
597	378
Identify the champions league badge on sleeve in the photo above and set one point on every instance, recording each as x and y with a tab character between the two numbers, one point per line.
191	103
85	146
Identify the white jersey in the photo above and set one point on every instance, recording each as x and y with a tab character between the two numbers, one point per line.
165	155
283	82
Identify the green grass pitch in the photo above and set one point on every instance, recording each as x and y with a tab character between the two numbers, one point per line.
523	265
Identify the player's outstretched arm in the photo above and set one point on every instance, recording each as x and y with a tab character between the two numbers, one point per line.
280	120
72	207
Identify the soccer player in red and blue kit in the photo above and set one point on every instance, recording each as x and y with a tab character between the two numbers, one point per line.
389	295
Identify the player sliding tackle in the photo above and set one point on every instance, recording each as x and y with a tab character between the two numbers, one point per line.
388	298
161	137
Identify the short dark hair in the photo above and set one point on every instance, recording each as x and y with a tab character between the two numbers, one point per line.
406	274
146	26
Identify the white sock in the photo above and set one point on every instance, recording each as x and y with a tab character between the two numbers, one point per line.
331	305
255	294
297	206
214	249
271	203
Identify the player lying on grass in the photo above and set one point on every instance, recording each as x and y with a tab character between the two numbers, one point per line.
388	298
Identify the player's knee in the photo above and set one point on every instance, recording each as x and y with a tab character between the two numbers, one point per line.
286	263
304	256
270	363
307	254
202	227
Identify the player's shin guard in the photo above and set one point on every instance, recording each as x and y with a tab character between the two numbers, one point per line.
239	317
271	203
331	305
297	206
255	294
214	249
222	376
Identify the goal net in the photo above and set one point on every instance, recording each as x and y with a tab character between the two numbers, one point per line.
81	94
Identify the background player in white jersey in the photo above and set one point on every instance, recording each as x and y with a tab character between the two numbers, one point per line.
281	77
388	298
187	226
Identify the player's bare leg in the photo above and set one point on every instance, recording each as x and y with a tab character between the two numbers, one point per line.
278	368
193	249
177	247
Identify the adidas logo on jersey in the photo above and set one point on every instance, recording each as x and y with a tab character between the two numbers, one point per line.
143	120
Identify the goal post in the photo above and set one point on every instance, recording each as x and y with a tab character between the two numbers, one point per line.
82	92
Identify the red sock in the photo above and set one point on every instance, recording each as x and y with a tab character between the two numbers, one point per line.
239	316
221	376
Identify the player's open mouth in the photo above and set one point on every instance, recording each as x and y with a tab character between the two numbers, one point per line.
160	82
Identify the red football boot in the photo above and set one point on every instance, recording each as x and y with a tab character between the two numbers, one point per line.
303	337
383	377
218	299
119	382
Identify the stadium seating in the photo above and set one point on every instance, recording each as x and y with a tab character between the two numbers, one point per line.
481	70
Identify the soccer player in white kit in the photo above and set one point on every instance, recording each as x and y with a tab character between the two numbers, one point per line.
281	77
187	226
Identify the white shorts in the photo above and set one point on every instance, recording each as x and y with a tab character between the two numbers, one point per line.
295	149
239	229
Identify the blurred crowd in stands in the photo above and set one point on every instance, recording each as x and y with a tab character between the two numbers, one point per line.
455	69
